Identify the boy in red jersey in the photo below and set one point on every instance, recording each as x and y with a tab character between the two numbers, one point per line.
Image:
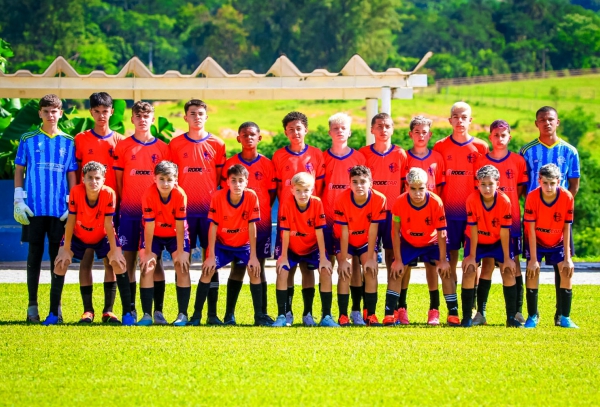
548	218
261	181
98	144
200	157
164	227
489	220
419	234
359	211
302	221
232	238
135	159
513	182
387	163
89	227
288	161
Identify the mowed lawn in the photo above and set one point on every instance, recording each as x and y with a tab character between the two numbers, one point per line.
243	365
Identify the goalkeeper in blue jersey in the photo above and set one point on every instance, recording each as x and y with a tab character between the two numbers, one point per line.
45	172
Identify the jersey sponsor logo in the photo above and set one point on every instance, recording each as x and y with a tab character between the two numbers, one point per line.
298	234
393	167
147	209
340	213
140	172
415	234
86	228
506	189
459	173
233	231
166	225
549	231
383	183
193	169
337	186
484	233
357	232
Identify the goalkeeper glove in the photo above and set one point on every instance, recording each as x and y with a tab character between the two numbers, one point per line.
21	210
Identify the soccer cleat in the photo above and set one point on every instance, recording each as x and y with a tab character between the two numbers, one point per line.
51	319
214	321
373	321
357	318
261	320
194	322
128	320
453	320
145	321
433	317
519	317
479	319
87	318
229	319
280	322
328	322
343	320
159	318
566	322
532	321
512	322
33	315
466	322
403	316
269	318
557	319
134	314
110	318
389	320
289	318
181	320
308	320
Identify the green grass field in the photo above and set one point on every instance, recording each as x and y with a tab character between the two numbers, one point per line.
416	365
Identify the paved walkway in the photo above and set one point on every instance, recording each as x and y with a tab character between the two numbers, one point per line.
15	272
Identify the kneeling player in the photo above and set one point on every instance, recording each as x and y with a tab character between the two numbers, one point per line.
90	226
164	223
301	222
548	217
489	221
232	239
359	210
418	234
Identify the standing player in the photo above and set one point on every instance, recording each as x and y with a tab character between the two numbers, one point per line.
359	211
339	159
262	181
419	234
513	180
98	144
288	161
302	221
135	159
548	148
90	227
460	152
200	157
548	218
46	157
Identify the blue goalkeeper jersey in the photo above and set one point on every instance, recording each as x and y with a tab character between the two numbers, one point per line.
561	153
47	160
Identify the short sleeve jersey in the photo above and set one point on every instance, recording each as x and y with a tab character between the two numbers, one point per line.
513	173
388	171
549	218
89	221
432	164
137	161
459	164
164	212
262	181
287	164
47	160
490	220
358	218
561	153
200	163
90	146
302	224
419	225
232	221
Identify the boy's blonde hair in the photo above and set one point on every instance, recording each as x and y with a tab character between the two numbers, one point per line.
420	121
340	118
416	176
460	105
303	179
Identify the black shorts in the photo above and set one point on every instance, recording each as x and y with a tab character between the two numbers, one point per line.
40	226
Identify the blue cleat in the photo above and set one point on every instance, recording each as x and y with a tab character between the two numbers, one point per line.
289	318
512	322
566	322
466	322
181	320
229	320
262	320
51	319
280	322
214	320
532	321
308	320
146	320
128	320
194	322
328	322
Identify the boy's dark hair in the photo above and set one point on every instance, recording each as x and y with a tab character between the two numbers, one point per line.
546	109
194	102
292	116
248	124
499	124
94	166
166	168
50	100
238	169
380	116
142	107
100	99
360	171
550	171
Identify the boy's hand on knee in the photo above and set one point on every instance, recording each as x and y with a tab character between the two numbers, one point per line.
209	265
371	266
469	265
344	269
254	267
443	268
533	269
182	259
282	264
566	267
64	258
509	267
116	259
397	269
147	261
325	264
